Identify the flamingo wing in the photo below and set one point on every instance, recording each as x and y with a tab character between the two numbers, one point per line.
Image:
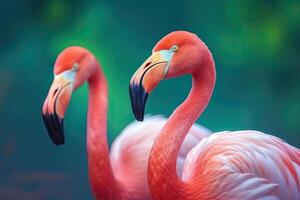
130	152
131	149
244	165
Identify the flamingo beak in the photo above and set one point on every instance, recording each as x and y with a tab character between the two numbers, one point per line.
56	104
146	78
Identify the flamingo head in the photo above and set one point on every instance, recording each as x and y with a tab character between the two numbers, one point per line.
174	55
72	68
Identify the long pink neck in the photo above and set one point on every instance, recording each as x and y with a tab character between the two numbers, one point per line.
162	176
103	182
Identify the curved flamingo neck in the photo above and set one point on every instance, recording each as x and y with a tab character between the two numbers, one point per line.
103	182
162	177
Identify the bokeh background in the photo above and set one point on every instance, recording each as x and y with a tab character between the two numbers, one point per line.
256	49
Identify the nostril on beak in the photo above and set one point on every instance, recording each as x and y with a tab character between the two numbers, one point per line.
147	64
55	91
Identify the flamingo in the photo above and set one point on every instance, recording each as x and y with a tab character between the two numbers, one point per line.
225	165
122	174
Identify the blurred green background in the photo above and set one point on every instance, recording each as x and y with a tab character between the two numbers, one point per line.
256	49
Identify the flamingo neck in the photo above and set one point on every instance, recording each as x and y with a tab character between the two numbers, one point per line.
162	177
103	182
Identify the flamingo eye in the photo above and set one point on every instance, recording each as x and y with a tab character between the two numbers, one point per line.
75	67
174	48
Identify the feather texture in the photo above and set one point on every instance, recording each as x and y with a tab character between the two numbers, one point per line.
130	153
243	165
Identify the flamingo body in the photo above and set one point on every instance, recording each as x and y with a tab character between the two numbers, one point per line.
226	165
243	165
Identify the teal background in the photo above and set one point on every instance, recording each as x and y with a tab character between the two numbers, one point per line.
255	46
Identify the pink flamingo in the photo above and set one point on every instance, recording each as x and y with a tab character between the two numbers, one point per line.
123	173
225	165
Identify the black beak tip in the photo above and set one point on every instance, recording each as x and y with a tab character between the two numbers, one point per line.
138	97
58	141
139	117
54	125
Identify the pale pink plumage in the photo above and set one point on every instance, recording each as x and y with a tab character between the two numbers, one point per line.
244	165
130	153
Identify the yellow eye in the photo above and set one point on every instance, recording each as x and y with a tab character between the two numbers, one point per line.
174	48
75	67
